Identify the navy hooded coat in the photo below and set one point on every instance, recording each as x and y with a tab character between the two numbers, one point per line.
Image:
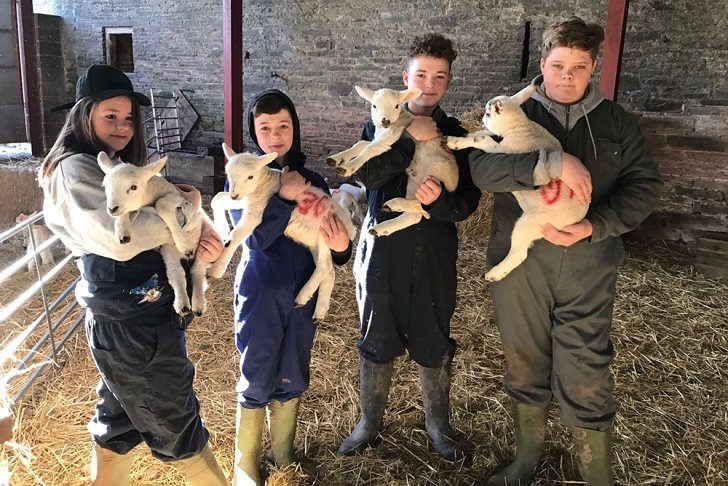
274	337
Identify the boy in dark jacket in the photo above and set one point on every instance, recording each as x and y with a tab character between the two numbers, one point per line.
273	336
554	311
406	281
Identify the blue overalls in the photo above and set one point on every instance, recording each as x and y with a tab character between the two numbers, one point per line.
138	344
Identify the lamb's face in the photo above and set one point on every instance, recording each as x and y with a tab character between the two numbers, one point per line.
386	107
498	114
124	186
244	172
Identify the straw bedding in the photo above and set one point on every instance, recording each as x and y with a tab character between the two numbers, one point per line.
670	328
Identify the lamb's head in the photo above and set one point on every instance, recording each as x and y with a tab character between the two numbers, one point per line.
244	171
125	184
502	113
387	103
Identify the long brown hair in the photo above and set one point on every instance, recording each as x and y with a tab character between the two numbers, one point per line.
77	137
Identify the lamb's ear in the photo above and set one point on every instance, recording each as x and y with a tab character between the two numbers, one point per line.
229	153
105	162
409	94
522	96
266	159
365	93
155	167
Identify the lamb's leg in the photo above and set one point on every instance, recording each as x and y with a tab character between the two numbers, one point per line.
346	155
218	204
199	286
481	140
176	278
322	257
324	293
166	207
525	232
243	229
403	205
371	150
402	221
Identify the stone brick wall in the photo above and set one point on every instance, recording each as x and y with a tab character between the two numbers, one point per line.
52	68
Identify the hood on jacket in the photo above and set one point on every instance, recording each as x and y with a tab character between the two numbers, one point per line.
295	159
592	98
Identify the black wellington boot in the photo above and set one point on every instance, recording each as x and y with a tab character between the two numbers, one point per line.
374	381
435	385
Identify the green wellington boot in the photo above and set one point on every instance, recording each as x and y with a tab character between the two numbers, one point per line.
530	426
282	420
595	457
249	436
202	469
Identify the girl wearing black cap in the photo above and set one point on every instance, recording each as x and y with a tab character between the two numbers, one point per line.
273	336
136	339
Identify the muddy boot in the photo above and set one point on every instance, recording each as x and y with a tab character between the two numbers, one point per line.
202	469
109	468
249	436
374	381
595	459
435	385
282	420
530	425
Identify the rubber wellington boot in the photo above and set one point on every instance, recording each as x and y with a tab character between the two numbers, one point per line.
595	459
249	436
530	426
435	385
202	469
282	420
374	381
109	468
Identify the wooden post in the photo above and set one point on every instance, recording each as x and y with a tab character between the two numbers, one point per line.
30	79
613	45
232	21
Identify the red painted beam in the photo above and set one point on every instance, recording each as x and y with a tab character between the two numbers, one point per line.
29	73
613	45
232	31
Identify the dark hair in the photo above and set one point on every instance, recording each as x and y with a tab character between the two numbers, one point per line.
77	136
270	104
573	33
432	45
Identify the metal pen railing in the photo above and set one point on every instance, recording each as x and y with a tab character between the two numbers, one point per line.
42	349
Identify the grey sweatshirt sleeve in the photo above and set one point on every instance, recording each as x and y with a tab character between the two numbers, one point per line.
75	209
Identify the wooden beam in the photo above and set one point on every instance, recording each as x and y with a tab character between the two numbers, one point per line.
232	31
29	73
613	45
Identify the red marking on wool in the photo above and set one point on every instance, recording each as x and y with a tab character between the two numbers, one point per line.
310	201
551	192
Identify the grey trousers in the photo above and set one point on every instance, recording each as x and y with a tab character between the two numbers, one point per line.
554	313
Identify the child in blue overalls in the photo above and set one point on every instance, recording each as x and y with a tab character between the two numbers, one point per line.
273	336
136	339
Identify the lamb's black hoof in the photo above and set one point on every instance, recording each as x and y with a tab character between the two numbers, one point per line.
373	232
125	239
198	313
386	209
227	243
331	162
340	171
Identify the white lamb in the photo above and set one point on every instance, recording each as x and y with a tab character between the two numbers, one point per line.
252	184
430	159
352	198
554	203
128	188
40	236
